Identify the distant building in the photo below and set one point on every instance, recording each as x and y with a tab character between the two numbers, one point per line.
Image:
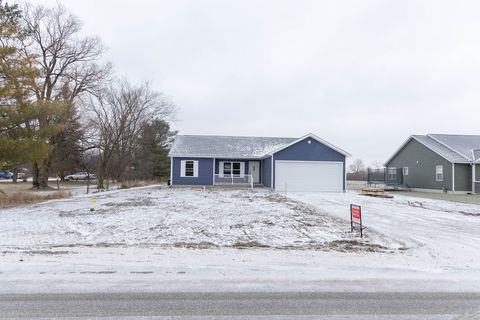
436	162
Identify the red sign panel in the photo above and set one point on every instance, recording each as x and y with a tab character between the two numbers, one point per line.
356	214
356	218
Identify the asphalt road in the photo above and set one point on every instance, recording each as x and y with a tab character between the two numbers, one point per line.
242	306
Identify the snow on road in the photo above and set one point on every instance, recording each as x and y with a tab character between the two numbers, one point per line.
182	239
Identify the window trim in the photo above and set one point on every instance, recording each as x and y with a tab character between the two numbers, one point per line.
183	168
405	171
437	173
231	174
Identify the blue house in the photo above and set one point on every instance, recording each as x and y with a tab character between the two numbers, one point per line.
293	164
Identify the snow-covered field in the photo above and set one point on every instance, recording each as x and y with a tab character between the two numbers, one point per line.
445	233
180	217
161	239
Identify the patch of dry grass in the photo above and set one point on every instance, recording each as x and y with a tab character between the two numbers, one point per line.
139	183
22	198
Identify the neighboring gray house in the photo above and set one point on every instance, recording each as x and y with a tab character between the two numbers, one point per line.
296	164
437	162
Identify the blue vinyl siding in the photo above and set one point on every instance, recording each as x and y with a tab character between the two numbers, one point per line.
314	151
205	172
266	166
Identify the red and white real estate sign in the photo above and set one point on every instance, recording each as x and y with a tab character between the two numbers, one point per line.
356	218
356	214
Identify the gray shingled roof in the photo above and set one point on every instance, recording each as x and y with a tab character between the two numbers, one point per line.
226	146
454	148
462	144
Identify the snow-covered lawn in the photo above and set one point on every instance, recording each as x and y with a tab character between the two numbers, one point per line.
161	239
180	217
445	234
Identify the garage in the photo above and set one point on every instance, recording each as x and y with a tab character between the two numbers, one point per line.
307	176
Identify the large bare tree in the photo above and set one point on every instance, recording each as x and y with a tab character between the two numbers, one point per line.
69	69
118	114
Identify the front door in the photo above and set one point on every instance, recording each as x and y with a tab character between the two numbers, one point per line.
254	170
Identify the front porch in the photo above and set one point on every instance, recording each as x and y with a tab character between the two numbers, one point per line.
246	172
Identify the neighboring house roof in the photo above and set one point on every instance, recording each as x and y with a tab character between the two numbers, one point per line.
234	147
454	148
461	144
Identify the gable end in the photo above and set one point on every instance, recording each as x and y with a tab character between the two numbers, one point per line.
309	149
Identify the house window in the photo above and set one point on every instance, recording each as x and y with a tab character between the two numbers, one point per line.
439	173
189	165
405	171
232	169
236	169
392	173
227	168
189	168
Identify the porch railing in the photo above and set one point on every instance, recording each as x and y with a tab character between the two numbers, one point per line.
246	179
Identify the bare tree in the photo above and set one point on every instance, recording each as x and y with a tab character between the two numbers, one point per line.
68	67
376	165
357	166
117	115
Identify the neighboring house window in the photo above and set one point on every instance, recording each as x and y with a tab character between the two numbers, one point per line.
392	173
405	171
189	168
439	173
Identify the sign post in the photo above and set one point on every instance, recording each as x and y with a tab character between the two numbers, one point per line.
356	219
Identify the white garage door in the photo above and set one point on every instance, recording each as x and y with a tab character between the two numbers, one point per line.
308	176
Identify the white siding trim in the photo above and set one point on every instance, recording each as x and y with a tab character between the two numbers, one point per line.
242	169
272	164
182	168
195	168
171	171
213	173
220	169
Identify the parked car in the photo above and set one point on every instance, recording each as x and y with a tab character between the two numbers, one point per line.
6	175
22	176
80	176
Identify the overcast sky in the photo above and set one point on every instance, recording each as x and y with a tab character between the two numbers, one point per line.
363	75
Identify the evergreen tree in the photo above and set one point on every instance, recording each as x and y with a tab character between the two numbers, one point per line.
151	159
20	139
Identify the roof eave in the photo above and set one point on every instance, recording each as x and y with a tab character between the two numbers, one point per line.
213	156
413	137
310	135
448	147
